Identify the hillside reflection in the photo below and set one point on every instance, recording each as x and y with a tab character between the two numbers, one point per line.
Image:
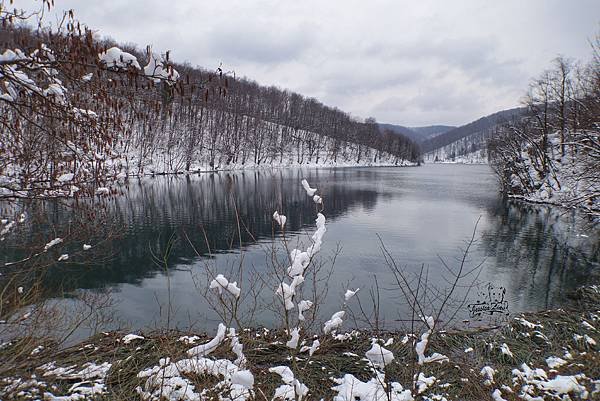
540	253
206	209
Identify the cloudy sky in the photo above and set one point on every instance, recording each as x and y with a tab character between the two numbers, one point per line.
407	62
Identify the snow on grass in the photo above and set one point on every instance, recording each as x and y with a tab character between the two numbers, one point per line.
554	362
205	349
91	380
379	356
423	383
488	374
505	350
497	395
292	389
349	388
188	340
421	346
131	337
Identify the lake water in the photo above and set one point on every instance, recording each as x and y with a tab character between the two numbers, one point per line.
423	216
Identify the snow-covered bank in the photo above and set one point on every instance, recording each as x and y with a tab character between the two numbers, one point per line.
537	356
444	156
559	177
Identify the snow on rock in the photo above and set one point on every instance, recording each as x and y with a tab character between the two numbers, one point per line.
309	191
349	294
50	244
131	337
279	218
221	283
205	349
292	389
317	199
118	59
295	336
303	306
378	356
349	388
334	323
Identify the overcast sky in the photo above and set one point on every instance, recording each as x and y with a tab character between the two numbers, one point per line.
407	62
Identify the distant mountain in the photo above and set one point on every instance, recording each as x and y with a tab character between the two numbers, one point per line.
432	130
417	134
478	128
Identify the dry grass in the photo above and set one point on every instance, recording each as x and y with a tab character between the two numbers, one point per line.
266	349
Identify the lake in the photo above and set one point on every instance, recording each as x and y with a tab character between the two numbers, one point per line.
169	230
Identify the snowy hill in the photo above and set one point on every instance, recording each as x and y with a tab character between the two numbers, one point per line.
467	143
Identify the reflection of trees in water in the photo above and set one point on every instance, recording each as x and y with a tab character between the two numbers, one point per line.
541	247
153	209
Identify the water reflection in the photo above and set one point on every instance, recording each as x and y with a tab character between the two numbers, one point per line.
421	214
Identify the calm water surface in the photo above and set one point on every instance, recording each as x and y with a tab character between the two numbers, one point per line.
423	216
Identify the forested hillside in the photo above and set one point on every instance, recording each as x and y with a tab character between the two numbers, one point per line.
552	154
467	143
418	134
77	112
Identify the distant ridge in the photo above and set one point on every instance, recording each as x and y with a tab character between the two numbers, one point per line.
480	127
417	134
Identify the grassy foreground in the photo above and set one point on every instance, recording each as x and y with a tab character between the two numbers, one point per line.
569	334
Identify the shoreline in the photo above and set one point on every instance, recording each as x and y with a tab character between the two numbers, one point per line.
561	342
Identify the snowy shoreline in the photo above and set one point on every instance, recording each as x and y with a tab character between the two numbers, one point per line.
533	356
